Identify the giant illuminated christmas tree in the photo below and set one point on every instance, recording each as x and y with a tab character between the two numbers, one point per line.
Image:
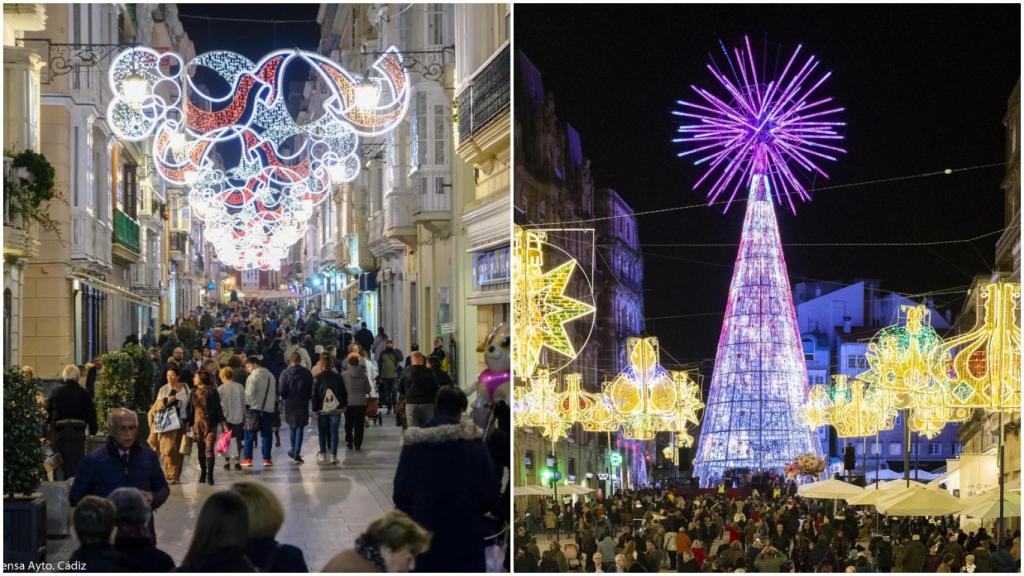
753	139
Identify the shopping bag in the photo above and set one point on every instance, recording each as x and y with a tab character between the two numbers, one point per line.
372	406
186	445
224	442
166	420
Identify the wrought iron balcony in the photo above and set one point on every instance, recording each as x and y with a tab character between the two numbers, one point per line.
485	98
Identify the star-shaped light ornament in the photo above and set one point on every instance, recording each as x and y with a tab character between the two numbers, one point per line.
535	405
541	309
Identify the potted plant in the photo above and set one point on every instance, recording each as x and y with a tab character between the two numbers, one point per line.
145	385
33	184
24	508
115	389
189	337
326	336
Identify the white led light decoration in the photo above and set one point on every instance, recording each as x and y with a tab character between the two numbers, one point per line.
257	208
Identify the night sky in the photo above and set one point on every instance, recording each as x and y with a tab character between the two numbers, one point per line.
925	88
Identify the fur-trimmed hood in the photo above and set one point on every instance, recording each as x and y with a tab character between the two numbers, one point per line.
466	430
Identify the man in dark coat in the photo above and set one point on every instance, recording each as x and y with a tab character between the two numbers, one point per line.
70	412
446	481
914	555
418	389
122	462
365	338
296	390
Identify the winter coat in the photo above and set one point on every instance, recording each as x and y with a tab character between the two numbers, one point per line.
418	385
296	388
232	401
229	559
140	555
913	557
214	413
329	380
259	384
357	385
96	557
349	561
69	401
102	471
268	555
982	559
365	339
771	562
446	481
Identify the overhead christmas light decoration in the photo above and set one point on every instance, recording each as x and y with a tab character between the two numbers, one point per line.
573	403
760	127
257	208
856	410
688	403
749	139
535	405
981	368
817	407
541	308
899	358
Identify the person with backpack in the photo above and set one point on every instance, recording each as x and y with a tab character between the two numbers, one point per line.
329	402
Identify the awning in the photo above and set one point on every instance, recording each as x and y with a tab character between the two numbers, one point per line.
114	290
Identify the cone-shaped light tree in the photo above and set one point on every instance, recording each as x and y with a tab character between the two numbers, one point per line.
756	138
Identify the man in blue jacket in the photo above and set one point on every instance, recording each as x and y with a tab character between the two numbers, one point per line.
122	462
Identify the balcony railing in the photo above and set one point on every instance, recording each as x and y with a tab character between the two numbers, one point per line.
486	97
398	211
433	202
179	242
126	231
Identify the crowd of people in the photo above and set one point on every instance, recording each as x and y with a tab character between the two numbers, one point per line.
255	371
658	530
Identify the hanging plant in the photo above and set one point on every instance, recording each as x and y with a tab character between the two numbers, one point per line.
27	194
24	425
116	386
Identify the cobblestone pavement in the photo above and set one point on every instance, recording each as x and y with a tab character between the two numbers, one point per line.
326	506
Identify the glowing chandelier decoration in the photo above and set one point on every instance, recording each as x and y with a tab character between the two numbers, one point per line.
856	410
688	403
257	207
602	416
816	410
535	405
644	394
574	404
761	134
981	368
541	308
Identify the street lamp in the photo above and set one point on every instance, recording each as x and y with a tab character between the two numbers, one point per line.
135	89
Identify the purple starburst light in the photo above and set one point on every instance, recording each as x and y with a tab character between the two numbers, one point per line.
760	128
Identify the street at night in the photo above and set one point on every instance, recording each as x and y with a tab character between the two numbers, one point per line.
767	302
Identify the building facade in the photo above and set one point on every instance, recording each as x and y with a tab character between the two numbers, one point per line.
102	274
553	185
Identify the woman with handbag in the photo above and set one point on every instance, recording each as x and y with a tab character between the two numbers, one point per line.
166	424
204	416
329	401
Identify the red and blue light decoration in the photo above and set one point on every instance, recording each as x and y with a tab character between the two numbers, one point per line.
255	209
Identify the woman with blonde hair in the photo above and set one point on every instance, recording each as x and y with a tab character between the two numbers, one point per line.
389	544
266	516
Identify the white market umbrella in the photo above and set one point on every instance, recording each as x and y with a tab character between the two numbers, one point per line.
918	501
884	474
532	490
878	490
571	489
922	475
986	506
830	489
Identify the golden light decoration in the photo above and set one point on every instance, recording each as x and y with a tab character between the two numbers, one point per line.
541	309
644	387
535	406
816	409
856	411
573	403
981	368
688	402
602	416
900	358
